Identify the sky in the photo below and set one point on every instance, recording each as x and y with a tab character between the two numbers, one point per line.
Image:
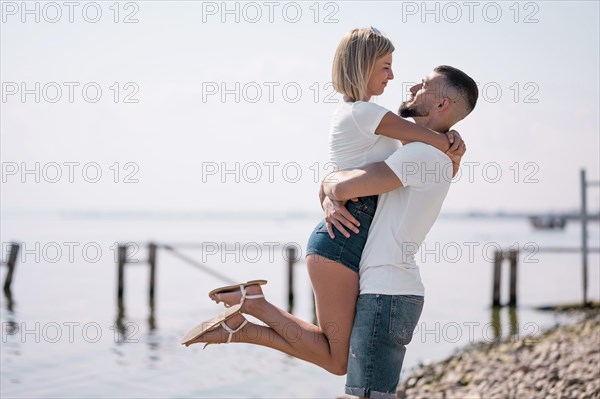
186	106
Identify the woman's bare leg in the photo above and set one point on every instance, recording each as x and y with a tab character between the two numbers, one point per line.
336	290
252	334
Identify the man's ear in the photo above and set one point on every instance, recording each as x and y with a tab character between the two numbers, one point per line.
443	104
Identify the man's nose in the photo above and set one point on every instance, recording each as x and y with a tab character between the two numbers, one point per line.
415	88
390	75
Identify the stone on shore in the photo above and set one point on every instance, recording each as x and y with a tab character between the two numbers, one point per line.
563	362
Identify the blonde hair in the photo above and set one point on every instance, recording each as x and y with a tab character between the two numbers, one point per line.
354	59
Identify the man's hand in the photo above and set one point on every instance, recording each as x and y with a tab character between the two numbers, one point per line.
456	151
337	215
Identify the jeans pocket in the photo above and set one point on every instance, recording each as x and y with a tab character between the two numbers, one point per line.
321	228
364	208
405	311
354	208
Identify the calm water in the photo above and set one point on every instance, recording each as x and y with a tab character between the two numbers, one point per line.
60	340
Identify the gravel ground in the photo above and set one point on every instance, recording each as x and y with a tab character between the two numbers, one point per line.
563	362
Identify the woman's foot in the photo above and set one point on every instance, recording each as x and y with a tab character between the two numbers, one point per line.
231	298
220	335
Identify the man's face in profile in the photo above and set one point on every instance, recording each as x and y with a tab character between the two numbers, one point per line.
425	96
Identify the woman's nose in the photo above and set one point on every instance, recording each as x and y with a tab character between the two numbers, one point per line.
390	75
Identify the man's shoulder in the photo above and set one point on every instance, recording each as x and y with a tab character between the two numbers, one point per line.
425	150
419	164
420	152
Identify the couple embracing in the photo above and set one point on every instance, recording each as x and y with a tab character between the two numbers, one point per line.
393	176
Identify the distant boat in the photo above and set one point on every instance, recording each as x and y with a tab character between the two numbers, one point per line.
548	222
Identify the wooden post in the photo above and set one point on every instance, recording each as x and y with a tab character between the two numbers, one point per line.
121	259
152	317
120	321
152	262
584	234
513	256
11	263
291	259
497	278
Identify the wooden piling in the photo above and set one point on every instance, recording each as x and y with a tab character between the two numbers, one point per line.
11	263
513	257
584	236
121	259
497	278
291	259
152	263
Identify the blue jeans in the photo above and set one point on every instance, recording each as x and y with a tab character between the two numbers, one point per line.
383	326
340	249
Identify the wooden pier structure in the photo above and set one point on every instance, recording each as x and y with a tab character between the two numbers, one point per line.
290	258
512	255
11	263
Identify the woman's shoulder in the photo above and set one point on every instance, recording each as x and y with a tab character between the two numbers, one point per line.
366	110
366	105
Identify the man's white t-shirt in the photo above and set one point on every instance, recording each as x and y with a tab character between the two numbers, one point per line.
352	139
402	220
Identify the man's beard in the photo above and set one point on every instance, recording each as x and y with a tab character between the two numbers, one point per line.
411	111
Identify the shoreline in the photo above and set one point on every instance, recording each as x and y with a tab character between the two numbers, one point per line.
563	361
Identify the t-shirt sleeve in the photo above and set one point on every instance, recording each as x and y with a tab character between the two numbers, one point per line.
367	116
418	164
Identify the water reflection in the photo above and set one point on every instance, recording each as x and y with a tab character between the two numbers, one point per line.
152	316
10	304
129	331
513	322
10	327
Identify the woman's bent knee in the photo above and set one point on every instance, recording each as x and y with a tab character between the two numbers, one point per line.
339	368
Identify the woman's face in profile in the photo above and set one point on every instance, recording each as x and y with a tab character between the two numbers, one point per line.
382	72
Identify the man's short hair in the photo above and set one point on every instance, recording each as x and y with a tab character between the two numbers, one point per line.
462	83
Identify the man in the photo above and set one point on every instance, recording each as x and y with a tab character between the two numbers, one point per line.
414	182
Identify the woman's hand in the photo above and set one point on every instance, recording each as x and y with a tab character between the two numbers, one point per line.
337	215
455	141
456	151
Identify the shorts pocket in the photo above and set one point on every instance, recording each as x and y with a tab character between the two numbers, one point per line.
321	228
405	311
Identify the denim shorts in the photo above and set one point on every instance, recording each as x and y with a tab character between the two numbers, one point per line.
346	251
383	326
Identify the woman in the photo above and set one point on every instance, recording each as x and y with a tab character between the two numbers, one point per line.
361	132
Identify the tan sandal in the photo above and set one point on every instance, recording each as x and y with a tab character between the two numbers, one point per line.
242	287
202	328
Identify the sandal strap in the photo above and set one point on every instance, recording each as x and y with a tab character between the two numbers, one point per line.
232	331
256	296
244	296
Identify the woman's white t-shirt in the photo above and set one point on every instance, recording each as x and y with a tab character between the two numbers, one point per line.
352	139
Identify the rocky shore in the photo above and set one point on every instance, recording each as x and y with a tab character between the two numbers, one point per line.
563	362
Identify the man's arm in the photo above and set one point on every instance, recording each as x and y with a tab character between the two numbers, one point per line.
322	195
373	179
